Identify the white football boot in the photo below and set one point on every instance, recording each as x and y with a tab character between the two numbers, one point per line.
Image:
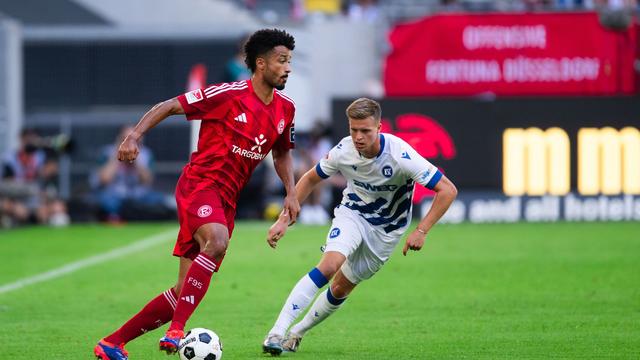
272	344
291	342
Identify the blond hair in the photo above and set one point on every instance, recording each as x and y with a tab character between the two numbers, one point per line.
363	108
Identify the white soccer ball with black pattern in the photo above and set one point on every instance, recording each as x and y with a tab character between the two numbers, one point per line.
200	344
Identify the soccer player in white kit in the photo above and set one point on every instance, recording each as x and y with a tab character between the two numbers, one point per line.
375	211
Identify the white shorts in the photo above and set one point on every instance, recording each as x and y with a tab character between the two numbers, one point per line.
365	248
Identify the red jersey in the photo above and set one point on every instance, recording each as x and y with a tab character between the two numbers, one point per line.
237	131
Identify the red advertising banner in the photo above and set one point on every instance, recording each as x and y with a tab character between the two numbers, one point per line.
510	54
637	32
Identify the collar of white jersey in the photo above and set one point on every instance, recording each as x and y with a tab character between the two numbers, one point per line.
381	145
379	152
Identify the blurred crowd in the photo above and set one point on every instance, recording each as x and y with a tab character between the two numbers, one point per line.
122	191
119	192
613	11
28	184
299	10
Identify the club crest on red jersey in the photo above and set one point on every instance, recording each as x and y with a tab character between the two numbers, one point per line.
281	126
204	211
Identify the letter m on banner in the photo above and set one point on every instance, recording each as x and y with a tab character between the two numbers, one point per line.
608	161
536	162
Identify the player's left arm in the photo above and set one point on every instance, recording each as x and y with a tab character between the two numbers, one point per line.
283	163
446	192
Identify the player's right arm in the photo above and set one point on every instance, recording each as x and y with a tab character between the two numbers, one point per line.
324	169
129	150
304	187
307	183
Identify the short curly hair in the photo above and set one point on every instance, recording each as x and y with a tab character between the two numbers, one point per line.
263	41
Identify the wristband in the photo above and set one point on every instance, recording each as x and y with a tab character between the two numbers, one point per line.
421	231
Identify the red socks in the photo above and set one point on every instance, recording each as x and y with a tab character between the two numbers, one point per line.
167	305
196	283
155	314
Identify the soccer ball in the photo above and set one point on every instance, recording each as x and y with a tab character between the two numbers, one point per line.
200	344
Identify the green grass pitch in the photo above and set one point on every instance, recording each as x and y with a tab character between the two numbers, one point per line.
516	291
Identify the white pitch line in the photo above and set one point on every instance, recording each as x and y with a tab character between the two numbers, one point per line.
90	261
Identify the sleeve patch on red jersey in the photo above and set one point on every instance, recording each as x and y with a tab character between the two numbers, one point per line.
194	96
292	134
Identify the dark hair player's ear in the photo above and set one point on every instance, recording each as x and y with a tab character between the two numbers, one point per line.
261	62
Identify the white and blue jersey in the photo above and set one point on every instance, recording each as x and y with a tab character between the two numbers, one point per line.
380	189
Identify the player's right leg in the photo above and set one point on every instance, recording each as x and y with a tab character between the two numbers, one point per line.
206	225
300	297
171	340
213	239
361	265
343	239
327	303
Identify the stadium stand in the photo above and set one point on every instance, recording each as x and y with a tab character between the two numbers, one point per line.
53	12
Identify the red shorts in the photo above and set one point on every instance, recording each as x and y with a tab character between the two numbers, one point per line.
198	204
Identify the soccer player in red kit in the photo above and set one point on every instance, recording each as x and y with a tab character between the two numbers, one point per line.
241	123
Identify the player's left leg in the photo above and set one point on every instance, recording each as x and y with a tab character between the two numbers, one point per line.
155	314
213	239
105	350
327	303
